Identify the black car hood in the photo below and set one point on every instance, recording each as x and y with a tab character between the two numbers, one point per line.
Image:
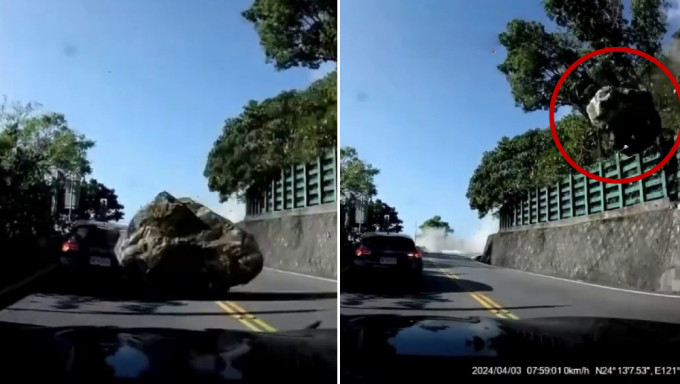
394	347
212	355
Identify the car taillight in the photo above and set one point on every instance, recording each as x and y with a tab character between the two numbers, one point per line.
70	245
416	255
363	251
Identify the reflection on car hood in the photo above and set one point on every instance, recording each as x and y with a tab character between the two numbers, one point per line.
421	349
489	337
164	354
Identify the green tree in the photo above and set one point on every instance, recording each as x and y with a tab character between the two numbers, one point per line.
578	140
665	97
377	211
25	198
293	127
356	175
32	146
435	222
90	205
537	58
290	128
25	194
296	32
528	161
506	172
48	134
316	119
535	61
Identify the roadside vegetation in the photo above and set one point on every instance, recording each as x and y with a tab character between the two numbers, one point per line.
39	152
536	57
294	126
357	182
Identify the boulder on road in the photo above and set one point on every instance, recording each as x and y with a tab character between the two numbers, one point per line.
179	246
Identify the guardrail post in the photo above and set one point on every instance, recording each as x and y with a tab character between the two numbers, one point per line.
293	191
305	198
617	160
602	185
538	207
547	204
319	187
334	174
559	201
272	200
664	182
641	183
529	206
586	194
571	193
283	191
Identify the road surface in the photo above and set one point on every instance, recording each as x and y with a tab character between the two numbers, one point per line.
274	301
458	286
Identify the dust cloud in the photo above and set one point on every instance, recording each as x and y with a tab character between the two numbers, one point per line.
436	240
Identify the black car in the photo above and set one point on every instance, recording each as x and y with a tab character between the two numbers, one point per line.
89	250
387	252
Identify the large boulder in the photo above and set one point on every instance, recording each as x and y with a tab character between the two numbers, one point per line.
178	246
626	118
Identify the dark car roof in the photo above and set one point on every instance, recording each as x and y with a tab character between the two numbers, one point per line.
385	234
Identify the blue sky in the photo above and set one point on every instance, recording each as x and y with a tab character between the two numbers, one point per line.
152	84
421	98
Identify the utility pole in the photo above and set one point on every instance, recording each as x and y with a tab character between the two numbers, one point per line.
70	197
103	209
72	194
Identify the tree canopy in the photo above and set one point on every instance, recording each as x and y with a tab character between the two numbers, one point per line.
296	32
25	196
90	205
528	161
32	146
356	178
48	134
377	211
536	59
294	126
436	222
356	175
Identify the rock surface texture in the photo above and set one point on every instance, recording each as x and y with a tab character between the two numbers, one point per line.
626	118
179	246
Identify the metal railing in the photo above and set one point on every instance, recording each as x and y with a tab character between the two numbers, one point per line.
300	186
577	195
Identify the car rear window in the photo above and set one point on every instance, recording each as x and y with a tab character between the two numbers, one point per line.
385	243
97	237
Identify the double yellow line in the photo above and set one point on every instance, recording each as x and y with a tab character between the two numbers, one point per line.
244	317
484	300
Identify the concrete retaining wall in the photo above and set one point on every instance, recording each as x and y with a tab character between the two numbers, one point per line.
637	247
302	240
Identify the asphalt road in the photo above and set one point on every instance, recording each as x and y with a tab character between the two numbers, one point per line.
457	286
274	301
